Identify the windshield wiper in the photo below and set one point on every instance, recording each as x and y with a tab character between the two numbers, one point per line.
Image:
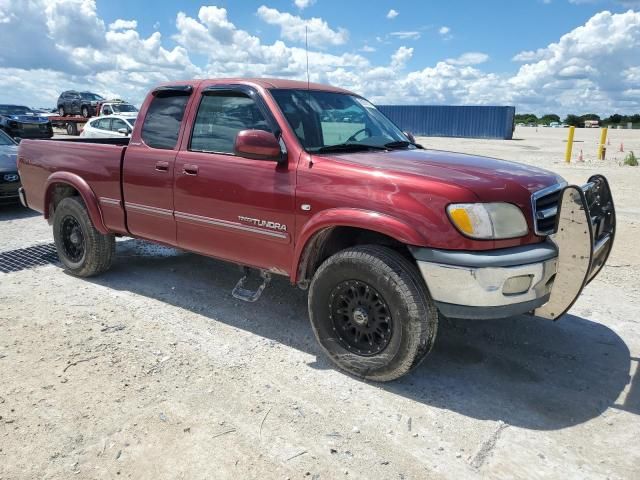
402	144
349	147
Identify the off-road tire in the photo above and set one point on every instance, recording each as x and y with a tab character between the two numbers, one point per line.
84	111
99	249
61	111
414	317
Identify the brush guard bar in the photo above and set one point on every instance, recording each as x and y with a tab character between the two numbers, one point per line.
584	234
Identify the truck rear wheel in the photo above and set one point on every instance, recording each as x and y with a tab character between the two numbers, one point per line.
82	249
371	312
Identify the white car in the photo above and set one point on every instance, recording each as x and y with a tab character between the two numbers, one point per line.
108	127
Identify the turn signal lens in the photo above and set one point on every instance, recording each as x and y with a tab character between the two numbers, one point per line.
461	219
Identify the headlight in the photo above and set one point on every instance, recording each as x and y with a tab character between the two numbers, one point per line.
488	220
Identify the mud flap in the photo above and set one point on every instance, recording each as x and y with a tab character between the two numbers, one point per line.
584	236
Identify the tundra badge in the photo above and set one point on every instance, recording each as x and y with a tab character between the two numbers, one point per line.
263	223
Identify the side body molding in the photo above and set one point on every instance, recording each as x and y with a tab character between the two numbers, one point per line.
83	188
350	217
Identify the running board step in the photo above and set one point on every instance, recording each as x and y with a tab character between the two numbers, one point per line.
245	294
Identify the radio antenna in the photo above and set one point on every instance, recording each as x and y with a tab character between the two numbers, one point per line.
306	48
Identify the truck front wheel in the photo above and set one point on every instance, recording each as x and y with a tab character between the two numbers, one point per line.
82	249
371	312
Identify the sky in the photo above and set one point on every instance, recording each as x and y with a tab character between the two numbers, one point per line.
543	56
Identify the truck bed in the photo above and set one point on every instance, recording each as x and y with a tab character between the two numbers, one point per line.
94	162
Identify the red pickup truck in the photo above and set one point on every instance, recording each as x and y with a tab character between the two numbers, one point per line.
313	182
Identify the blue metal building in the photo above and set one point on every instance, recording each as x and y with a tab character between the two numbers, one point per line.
453	121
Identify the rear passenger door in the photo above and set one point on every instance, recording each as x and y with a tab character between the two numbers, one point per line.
149	166
226	206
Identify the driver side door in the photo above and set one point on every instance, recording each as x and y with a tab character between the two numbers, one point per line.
226	206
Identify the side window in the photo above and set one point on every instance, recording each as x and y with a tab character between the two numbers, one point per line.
117	124
220	117
103	124
162	122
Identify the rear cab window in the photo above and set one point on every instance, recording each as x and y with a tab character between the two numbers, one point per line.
162	121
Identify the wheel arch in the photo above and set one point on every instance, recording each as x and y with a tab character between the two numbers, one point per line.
336	229
65	184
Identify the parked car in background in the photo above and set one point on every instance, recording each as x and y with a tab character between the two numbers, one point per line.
45	112
72	102
19	121
118	108
9	178
109	126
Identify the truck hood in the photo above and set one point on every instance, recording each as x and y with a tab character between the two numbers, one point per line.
484	176
28	118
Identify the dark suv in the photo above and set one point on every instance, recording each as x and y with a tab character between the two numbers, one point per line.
72	102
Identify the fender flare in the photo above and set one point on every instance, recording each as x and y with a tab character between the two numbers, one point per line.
85	191
350	217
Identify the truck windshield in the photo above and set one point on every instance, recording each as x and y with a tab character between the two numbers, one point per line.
124	107
330	121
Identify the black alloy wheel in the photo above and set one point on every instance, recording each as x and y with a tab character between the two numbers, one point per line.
360	317
73	241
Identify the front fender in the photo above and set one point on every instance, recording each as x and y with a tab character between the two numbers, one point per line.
85	191
352	217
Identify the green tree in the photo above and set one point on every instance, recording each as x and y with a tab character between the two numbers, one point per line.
615	118
526	118
589	116
572	120
550	117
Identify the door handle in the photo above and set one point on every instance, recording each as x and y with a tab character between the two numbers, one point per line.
162	166
190	170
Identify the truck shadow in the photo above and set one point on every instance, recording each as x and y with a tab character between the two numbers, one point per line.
525	371
15	211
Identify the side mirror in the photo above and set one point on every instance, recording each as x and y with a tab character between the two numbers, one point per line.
17	139
258	145
124	131
410	136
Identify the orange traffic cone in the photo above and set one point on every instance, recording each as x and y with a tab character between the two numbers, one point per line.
621	147
580	158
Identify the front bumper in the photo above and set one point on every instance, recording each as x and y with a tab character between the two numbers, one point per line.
545	278
493	284
31	131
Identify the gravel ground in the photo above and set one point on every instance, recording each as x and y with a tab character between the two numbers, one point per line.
153	370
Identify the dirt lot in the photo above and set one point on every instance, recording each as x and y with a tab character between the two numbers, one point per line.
154	371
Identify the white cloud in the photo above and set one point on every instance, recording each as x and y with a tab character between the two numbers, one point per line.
587	68
406	35
302	4
367	49
391	14
469	58
295	28
401	57
444	30
121	24
595	67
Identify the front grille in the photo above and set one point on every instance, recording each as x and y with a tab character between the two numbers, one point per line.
9	189
545	209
